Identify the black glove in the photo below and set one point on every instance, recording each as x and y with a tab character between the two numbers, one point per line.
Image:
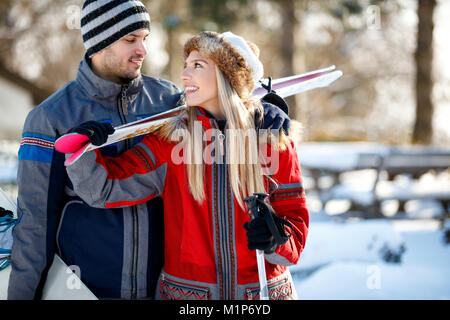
276	100
260	237
274	118
97	132
6	215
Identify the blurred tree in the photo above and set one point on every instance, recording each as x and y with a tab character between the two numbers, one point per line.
287	36
352	35
39	42
216	15
38	94
219	15
171	15
423	126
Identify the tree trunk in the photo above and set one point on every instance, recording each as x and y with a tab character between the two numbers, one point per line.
38	94
423	127
288	47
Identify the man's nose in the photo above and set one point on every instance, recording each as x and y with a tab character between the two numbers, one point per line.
141	48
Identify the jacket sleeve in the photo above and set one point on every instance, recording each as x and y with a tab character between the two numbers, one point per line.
287	197
134	177
40	180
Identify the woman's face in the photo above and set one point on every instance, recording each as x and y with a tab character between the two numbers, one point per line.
200	83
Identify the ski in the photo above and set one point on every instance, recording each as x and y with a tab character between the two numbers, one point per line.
77	144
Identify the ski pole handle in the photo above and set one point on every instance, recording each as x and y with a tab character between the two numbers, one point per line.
253	203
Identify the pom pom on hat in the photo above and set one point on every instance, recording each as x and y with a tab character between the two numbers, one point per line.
250	56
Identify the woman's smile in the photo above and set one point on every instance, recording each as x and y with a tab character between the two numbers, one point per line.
190	89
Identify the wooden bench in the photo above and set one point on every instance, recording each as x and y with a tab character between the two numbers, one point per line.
429	178
425	173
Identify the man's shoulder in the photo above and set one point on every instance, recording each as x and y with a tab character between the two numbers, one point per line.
54	100
51	107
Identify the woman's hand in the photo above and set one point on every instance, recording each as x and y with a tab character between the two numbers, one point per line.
97	132
259	235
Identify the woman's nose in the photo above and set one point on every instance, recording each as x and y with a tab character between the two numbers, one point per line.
185	75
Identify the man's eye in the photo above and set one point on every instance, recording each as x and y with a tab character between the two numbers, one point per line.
130	40
197	65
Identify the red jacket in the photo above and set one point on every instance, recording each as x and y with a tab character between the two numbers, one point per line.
206	254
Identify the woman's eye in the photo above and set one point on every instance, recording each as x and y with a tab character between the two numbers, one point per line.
197	65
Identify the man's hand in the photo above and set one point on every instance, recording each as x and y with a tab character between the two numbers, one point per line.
275	99
274	117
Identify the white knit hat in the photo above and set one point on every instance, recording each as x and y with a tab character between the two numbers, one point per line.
240	44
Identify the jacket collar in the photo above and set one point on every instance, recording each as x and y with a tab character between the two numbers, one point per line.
209	121
101	89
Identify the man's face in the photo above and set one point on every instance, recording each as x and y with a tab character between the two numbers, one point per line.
122	61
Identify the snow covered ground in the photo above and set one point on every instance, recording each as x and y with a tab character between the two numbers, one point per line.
374	260
371	259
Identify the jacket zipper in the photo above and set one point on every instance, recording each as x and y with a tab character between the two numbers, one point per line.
124	100
223	231
223	221
123	111
122	108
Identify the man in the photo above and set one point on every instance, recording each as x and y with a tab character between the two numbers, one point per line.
119	252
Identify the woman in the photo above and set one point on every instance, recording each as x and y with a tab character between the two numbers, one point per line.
203	164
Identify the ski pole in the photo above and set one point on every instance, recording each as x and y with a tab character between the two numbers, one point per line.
253	212
263	290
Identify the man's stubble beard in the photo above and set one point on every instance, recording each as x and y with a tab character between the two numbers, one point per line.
112	66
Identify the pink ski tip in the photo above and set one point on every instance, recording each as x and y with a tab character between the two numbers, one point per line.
75	156
71	142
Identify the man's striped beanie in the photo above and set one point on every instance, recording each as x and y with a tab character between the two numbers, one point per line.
104	22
